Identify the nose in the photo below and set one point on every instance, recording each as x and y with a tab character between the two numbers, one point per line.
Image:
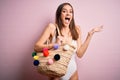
68	13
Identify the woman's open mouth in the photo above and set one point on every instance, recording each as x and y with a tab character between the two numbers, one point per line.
67	20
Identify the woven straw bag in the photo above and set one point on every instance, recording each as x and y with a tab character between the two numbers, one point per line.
59	61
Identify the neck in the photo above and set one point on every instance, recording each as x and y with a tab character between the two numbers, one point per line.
65	31
65	28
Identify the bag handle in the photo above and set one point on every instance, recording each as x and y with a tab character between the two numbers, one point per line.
57	31
59	34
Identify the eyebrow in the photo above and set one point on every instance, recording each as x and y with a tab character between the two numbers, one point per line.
66	9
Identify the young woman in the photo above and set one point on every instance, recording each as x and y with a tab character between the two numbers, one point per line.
70	33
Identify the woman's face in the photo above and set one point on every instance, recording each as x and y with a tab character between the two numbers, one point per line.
66	15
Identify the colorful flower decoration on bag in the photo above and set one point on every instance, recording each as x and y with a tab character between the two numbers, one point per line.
45	52
57	57
56	46
36	62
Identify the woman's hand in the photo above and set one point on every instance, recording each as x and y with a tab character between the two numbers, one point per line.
60	40
96	29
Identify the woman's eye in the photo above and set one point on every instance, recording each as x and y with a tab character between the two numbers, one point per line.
64	11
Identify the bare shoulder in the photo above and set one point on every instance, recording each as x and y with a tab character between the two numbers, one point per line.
51	26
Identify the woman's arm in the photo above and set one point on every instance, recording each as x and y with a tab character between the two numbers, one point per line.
83	47
40	44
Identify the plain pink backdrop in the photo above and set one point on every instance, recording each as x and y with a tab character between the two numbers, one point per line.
22	22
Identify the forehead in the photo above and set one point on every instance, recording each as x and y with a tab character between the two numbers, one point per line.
67	7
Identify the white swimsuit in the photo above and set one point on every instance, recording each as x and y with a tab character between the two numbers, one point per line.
72	67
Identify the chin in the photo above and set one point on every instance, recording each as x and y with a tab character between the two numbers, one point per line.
66	25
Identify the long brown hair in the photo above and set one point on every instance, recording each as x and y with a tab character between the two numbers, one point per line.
72	23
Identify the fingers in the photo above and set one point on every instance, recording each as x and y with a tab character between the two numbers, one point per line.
101	28
59	40
98	29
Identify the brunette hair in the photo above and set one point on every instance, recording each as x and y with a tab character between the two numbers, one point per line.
72	27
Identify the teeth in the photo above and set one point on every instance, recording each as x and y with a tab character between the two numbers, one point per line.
67	20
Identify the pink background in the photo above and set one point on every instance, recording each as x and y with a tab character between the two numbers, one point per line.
22	22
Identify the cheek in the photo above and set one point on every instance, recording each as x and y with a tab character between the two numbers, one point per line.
62	16
71	15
